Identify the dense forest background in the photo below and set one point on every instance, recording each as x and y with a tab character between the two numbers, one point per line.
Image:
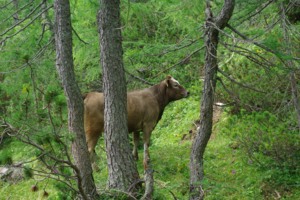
254	151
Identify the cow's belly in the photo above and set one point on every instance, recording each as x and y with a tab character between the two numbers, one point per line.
134	126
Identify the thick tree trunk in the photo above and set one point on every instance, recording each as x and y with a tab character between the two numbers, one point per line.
121	165
65	68
206	112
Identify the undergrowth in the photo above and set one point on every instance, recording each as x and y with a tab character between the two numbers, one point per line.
230	173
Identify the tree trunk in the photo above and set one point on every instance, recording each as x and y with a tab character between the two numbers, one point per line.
211	67
289	63
121	165
65	68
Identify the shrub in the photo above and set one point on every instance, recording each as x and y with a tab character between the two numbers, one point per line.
270	143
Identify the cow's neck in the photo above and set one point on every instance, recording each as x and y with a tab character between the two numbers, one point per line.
161	97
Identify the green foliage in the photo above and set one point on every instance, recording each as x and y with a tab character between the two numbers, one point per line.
254	150
272	145
5	159
28	173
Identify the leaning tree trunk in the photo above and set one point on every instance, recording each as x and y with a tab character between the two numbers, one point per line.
121	165
212	27
65	68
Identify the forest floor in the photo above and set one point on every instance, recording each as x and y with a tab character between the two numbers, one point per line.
229	174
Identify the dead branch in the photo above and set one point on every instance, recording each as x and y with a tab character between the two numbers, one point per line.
22	29
16	12
244	51
4	6
21	21
257	11
239	83
24	137
166	51
139	78
182	61
81	40
37	55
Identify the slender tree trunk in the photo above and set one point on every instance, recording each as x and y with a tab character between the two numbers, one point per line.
121	165
289	63
206	113
65	68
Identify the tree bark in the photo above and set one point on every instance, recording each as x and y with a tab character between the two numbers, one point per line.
121	165
212	27
289	63
65	68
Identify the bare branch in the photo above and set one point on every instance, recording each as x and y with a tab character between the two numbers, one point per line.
249	55
139	78
4	6
34	57
20	9
26	26
180	62
166	51
258	10
21	21
238	83
78	36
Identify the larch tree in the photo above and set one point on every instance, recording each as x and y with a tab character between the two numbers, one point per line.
65	68
289	63
212	27
122	169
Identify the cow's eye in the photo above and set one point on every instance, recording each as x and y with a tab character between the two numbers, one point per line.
176	85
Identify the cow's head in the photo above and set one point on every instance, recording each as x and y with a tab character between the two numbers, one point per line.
174	90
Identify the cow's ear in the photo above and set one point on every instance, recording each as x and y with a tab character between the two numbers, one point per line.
168	77
167	81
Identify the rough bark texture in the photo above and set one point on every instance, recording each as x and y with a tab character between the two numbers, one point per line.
121	165
212	27
65	68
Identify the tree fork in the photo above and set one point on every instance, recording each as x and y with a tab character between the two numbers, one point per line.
212	26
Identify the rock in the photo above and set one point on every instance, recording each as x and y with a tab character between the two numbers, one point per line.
11	173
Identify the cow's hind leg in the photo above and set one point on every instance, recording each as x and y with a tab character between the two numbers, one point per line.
136	140
92	140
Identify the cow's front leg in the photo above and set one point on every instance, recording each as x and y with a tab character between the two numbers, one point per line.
147	134
136	140
148	172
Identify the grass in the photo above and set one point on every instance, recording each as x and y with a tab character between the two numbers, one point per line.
228	172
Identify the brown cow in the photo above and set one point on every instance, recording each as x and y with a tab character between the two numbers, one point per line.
145	108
